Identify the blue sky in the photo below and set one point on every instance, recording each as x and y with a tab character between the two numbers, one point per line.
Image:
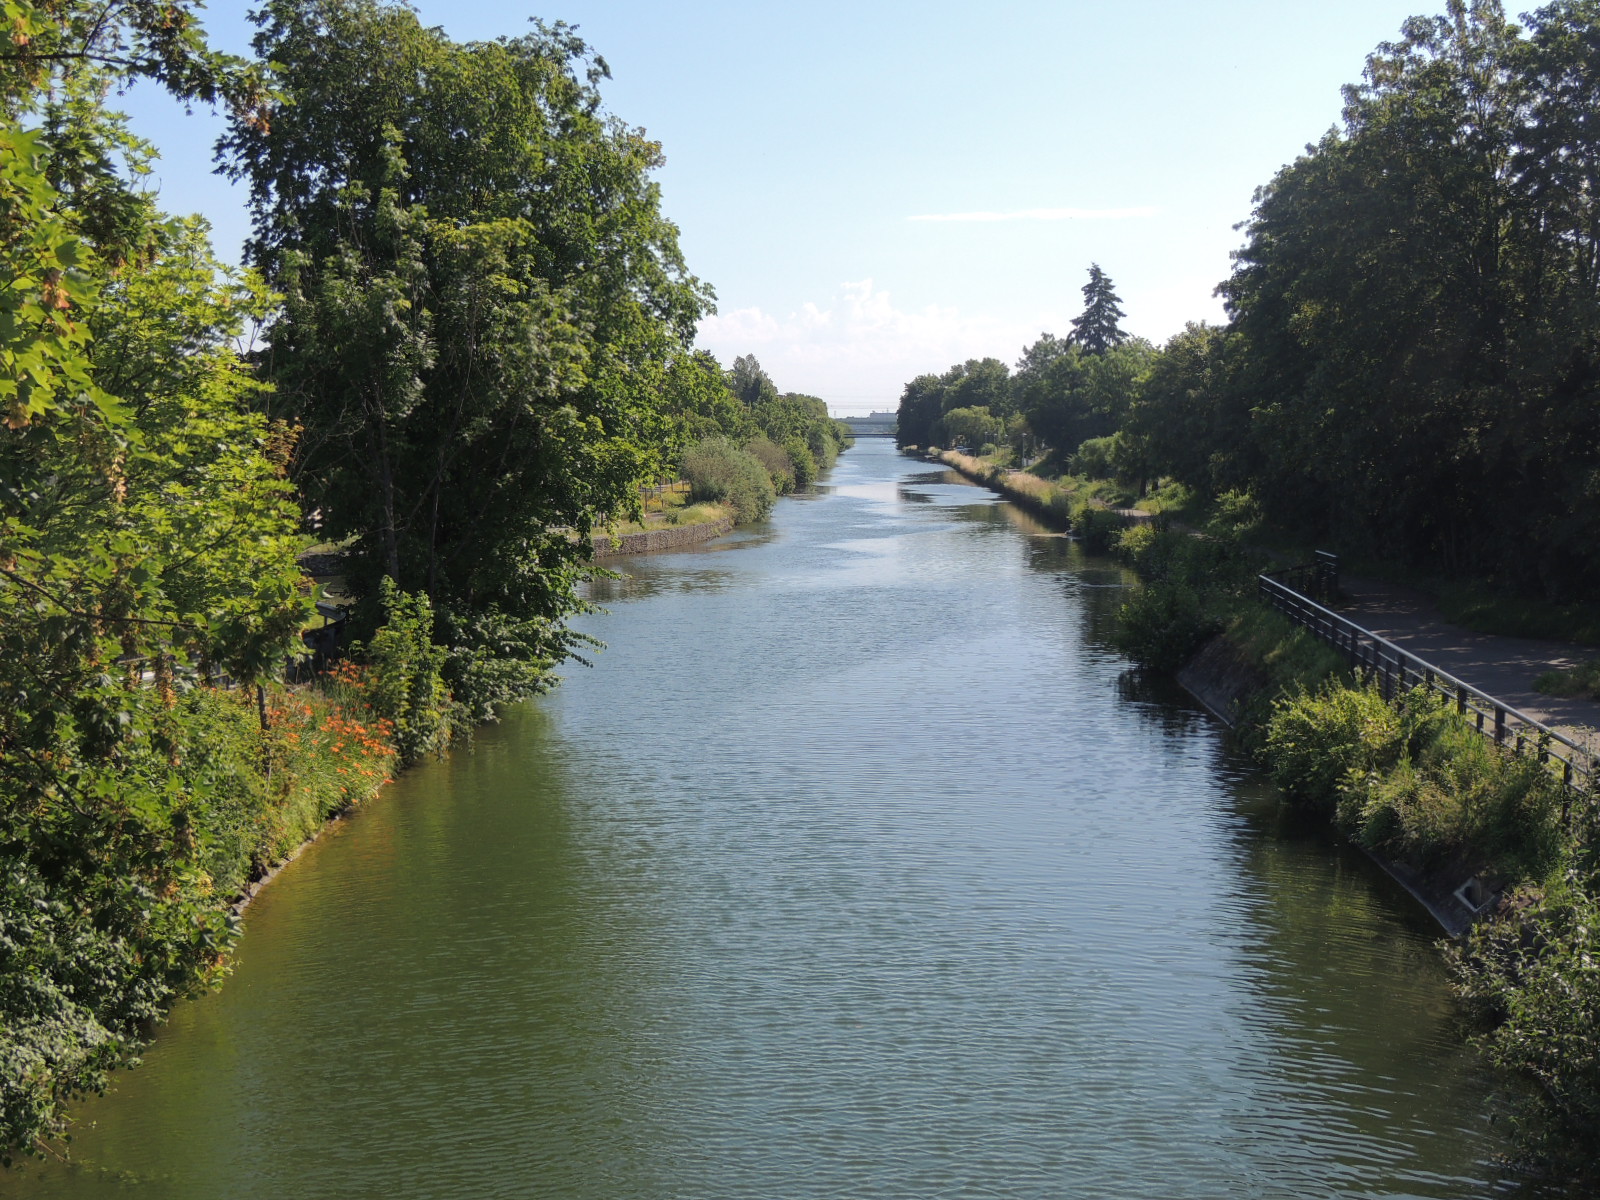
808	146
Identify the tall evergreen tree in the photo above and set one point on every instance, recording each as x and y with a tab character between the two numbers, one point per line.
1096	331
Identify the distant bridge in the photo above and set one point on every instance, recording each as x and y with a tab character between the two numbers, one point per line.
878	424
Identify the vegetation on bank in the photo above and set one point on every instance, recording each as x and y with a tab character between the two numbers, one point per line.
1083	505
1410	780
463	340
746	442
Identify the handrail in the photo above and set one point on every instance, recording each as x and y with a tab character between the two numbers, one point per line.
1398	670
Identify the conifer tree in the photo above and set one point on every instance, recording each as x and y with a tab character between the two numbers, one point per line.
1096	331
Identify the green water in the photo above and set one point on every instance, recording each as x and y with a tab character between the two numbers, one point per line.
858	866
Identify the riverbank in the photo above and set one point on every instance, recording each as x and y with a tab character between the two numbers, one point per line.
277	766
663	535
1089	509
1492	844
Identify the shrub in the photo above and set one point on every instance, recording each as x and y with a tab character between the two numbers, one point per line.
1582	680
1530	974
718	470
1093	458
1095	527
824	446
803	462
779	463
407	674
1413	780
1316	741
1163	625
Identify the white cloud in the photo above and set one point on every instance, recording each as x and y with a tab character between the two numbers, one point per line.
858	350
1045	214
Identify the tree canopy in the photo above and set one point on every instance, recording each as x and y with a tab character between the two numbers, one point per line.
481	300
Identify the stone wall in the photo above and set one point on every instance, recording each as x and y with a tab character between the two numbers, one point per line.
668	537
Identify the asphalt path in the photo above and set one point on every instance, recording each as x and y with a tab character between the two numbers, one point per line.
1504	667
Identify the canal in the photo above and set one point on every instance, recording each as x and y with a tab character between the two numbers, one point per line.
857	866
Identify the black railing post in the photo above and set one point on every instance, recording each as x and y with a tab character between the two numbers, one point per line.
1327	567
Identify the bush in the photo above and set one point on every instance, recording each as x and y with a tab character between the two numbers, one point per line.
1093	458
718	470
824	445
1530	974
1413	780
803	462
1095	527
779	463
1583	680
407	674
1316	742
1163	625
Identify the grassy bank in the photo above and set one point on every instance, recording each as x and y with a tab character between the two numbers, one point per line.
1083	506
677	525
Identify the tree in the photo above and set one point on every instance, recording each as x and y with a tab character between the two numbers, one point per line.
1096	330
748	381
1181	416
1071	396
482	300
969	427
920	406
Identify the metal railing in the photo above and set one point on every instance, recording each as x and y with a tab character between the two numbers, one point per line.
1396	671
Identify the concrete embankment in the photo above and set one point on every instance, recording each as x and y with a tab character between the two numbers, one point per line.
1224	679
666	537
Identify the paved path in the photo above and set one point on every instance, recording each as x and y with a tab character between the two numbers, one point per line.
1504	667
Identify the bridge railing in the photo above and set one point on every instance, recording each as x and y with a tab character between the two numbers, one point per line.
1396	671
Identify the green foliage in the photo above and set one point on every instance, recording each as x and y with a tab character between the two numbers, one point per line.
801	461
1071	396
718	470
1094	457
48	274
1582	680
975	384
1096	526
51	43
968	427
697	392
1530	975
483	308
790	434
1317	741
147	540
775	460
1163	624
1096	330
750	384
407	674
1177	416
1411	779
